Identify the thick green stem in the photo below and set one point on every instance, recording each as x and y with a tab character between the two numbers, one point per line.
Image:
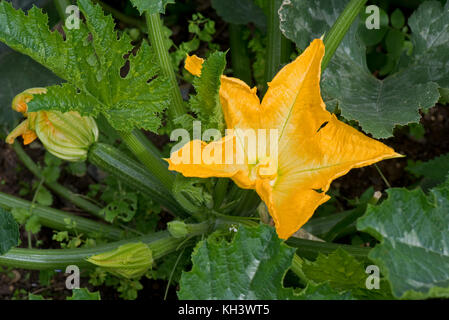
274	48
140	146
149	156
239	53
57	188
309	249
150	147
220	192
286	49
180	229
57	219
336	34
195	229
123	17
157	39
133	174
321	225
61	6
160	243
341	226
248	203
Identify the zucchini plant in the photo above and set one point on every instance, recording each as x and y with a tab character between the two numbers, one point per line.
249	170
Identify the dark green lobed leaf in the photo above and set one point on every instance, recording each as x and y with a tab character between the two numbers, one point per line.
90	59
84	294
344	272
436	169
251	266
414	249
378	105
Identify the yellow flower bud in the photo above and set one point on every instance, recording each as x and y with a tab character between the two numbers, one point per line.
66	135
194	64
130	260
23	130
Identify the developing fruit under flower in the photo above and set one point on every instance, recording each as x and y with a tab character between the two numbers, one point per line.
131	260
65	135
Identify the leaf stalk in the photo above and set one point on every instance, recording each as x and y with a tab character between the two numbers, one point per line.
338	31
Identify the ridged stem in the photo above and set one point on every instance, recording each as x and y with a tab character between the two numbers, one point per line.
321	225
309	249
275	39
297	269
220	190
56	219
133	174
338	31
249	203
156	36
160	243
156	167
148	157
239	54
61	6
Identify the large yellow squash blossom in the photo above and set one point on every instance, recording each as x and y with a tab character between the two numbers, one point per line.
314	147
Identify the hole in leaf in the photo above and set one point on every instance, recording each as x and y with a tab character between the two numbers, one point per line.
125	69
152	78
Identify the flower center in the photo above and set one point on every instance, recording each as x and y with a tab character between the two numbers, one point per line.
265	168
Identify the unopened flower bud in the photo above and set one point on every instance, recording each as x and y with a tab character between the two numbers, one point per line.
66	135
130	260
194	65
178	229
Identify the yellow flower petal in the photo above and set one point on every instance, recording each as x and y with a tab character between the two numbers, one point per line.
199	159
306	171
194	64
290	206
20	101
24	131
240	104
293	101
29	136
314	146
